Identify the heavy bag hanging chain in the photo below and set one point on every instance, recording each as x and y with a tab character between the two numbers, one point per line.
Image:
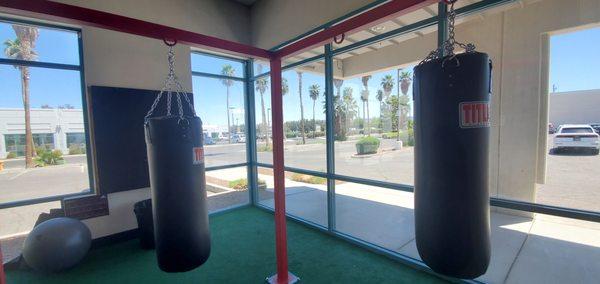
447	48
171	86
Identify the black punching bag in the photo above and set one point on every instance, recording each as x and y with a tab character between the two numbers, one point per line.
176	162
452	215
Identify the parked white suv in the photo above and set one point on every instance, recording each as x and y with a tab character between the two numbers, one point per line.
577	136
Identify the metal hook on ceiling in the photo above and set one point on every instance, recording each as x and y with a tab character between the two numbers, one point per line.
339	41
170	42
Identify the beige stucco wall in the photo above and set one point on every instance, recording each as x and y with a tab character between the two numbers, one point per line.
516	40
576	107
275	21
123	60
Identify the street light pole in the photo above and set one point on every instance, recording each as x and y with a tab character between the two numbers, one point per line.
229	128
398	113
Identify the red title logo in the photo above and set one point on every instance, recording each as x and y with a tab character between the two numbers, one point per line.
474	114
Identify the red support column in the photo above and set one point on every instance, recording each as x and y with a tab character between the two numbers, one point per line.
2	277
282	276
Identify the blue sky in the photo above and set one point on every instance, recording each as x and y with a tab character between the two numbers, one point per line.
574	66
574	60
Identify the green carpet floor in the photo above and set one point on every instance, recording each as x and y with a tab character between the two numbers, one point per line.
243	251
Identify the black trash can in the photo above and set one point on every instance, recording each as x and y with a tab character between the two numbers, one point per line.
143	214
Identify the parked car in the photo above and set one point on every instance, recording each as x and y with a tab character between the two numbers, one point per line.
577	136
596	127
551	128
208	140
238	138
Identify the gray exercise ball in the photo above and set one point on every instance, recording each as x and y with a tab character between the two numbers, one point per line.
57	244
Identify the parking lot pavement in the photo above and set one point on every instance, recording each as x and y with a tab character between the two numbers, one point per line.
20	162
572	180
21	184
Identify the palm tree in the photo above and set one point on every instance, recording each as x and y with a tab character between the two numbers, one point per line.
22	48
349	106
365	98
405	79
285	87
314	91
261	85
228	71
387	84
338	85
339	114
301	107
403	102
379	97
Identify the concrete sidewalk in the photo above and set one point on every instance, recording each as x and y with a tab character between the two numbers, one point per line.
543	249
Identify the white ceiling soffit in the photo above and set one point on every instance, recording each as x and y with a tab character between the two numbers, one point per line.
413	17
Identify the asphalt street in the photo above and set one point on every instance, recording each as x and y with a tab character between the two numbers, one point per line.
573	179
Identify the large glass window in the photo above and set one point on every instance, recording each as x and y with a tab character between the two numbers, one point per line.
15	143
305	195
373	117
40	108
220	103
304	117
262	106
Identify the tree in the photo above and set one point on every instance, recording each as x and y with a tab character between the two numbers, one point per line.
314	91
379	97
261	85
350	107
387	84
301	107
285	87
339	115
405	80
365	98
22	48
228	70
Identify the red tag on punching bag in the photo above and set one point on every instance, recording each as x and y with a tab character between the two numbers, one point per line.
474	114
198	154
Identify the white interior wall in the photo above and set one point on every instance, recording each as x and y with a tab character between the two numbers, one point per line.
123	60
275	21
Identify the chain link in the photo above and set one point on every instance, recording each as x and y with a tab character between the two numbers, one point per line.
447	48
171	87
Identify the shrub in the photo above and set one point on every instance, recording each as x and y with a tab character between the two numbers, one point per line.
308	179
49	158
265	148
39	150
316	134
242	184
369	140
390	135
291	134
76	149
367	145
408	137
340	137
11	155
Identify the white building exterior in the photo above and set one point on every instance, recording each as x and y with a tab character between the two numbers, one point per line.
576	107
59	123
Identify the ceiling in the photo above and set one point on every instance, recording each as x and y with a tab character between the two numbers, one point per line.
392	24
